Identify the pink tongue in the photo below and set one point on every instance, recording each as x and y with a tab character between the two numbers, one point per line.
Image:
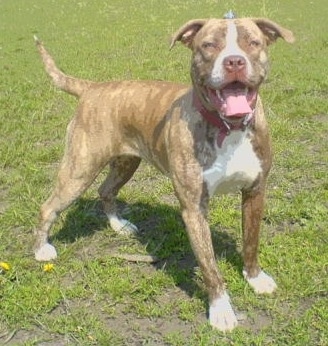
237	105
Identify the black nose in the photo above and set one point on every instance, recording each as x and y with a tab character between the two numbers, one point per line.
234	63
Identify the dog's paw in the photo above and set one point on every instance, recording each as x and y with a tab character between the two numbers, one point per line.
261	284
45	253
122	226
221	314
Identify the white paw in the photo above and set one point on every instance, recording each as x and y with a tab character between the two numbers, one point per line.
46	253
263	283
221	315
122	226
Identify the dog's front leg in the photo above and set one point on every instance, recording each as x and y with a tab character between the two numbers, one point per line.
221	314
252	210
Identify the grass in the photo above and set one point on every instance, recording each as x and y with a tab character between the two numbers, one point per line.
90	298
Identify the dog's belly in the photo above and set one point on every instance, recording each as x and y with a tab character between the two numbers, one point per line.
236	165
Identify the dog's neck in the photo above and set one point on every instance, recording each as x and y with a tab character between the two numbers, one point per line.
215	119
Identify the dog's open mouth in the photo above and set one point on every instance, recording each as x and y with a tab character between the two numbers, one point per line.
235	100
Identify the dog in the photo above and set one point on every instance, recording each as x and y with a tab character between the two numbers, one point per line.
211	138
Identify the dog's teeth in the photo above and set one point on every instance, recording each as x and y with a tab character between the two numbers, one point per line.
218	94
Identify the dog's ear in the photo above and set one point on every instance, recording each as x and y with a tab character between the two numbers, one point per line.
272	30
187	32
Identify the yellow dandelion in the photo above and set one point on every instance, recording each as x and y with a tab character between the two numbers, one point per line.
5	266
48	267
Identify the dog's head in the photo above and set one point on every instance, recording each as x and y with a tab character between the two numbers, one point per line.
229	60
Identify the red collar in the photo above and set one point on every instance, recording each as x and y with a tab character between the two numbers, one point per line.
214	118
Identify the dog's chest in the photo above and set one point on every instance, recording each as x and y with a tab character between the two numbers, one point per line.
236	165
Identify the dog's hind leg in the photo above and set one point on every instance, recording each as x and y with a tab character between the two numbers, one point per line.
75	175
122	169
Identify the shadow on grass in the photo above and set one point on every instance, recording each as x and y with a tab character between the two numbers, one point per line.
161	232
83	219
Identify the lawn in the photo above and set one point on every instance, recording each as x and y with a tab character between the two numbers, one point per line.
90	297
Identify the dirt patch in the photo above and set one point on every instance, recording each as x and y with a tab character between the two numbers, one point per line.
141	331
258	320
35	336
321	118
4	204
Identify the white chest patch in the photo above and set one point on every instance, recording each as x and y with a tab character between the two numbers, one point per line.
236	165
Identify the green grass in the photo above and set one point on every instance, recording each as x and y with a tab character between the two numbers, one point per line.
90	298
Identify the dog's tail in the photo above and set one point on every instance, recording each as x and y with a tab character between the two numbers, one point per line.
64	82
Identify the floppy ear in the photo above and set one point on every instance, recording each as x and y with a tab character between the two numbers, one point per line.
187	32
272	30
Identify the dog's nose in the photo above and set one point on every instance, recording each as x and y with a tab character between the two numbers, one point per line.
234	63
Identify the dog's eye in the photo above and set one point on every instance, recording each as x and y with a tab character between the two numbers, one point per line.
255	43
207	45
